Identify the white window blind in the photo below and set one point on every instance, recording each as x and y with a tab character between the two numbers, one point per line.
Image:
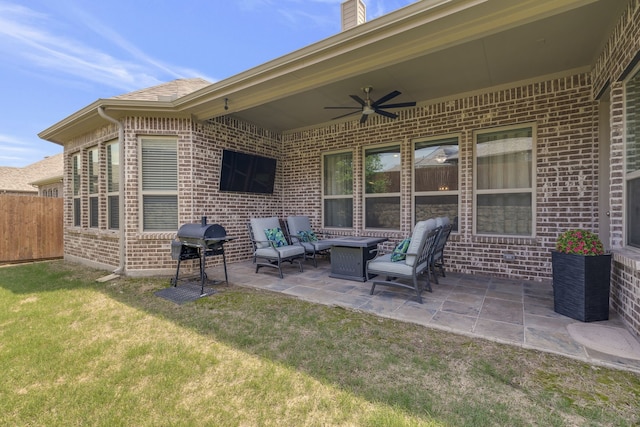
159	168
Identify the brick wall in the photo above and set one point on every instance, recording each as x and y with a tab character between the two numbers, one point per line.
609	72
95	246
565	119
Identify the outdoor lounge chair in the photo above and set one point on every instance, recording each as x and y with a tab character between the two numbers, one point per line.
437	258
416	262
300	231
270	247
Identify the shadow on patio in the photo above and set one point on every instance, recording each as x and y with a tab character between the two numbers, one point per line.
515	312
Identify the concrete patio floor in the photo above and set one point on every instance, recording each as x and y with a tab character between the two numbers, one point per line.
509	311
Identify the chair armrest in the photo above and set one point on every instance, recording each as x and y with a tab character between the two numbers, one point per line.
268	242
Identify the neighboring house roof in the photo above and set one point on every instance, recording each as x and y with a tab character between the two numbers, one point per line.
22	180
431	50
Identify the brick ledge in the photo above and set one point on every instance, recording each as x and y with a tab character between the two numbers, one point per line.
627	257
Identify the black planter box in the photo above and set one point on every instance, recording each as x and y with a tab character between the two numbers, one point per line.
581	286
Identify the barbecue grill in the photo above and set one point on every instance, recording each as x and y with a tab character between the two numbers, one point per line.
199	241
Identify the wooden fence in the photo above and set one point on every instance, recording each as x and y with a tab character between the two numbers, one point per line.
30	228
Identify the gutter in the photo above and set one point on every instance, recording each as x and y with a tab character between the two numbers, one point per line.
122	251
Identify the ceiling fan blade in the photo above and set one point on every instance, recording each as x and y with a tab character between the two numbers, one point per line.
385	98
385	113
364	118
358	99
345	115
399	105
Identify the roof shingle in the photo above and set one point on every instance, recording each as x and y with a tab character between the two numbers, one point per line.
17	180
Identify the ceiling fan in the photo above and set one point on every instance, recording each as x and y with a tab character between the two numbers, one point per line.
369	106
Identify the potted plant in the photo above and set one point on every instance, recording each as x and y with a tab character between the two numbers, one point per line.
581	276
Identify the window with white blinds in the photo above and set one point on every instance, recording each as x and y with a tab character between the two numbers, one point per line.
159	183
504	181
337	190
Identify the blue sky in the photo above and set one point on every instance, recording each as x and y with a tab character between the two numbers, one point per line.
60	56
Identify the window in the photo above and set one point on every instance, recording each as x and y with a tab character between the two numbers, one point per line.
93	167
113	186
159	168
504	182
337	190
632	169
75	167
382	187
435	179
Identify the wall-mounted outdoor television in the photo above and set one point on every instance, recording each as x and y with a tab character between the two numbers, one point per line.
247	173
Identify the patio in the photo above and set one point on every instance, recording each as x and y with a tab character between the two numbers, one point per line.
508	311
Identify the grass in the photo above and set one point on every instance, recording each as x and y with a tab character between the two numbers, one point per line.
77	352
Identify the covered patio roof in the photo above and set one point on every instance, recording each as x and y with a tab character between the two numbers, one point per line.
430	50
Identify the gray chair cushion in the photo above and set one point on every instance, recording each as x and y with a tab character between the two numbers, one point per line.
384	266
285	251
297	224
441	221
258	225
419	234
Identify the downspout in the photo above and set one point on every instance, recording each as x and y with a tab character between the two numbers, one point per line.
121	264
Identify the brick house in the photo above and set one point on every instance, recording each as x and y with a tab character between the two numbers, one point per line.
524	127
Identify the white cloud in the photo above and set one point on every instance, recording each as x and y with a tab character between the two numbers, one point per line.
29	36
14	144
16	151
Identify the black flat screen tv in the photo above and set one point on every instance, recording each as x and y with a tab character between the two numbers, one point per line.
247	173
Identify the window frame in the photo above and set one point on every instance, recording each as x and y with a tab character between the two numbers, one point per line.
93	185
143	193
532	190
324	197
434	140
366	196
633	176
76	189
112	193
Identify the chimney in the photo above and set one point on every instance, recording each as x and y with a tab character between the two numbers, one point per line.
354	13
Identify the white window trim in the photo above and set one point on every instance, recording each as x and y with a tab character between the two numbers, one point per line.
95	194
532	190
108	146
415	193
142	193
365	196
76	160
627	176
324	197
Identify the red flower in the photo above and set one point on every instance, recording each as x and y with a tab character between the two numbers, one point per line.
579	242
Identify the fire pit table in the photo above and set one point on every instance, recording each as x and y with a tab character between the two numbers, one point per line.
349	256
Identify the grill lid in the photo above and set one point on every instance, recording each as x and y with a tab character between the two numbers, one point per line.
201	232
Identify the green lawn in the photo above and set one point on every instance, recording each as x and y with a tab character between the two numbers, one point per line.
77	352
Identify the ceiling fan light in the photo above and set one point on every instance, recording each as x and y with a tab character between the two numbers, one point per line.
367	110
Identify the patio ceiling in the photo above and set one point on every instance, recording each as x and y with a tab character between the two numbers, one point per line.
428	51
